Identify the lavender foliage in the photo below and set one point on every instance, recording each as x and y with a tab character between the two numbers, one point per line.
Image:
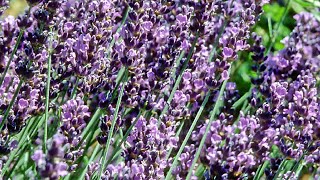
137	73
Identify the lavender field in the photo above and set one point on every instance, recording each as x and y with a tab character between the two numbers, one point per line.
160	89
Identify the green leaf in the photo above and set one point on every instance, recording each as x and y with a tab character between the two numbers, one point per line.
200	170
260	171
274	11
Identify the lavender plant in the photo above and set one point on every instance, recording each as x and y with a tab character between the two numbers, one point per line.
143	90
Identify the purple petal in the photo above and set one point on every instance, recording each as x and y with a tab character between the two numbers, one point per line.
150	76
38	157
187	76
281	91
215	138
61	169
147	25
283	63
68	26
181	18
87	37
227	52
198	83
185	45
242	157
23	103
224	75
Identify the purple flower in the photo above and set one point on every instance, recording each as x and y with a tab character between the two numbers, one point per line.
227	52
150	141
147	26
182	19
198	83
52	165
224	75
22	103
215	138
98	50
38	157
242	157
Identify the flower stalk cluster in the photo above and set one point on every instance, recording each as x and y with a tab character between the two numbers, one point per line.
142	90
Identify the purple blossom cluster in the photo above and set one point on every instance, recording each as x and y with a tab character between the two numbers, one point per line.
145	153
50	165
290	109
285	113
123	81
4	5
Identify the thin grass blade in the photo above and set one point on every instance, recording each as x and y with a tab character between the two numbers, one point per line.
260	170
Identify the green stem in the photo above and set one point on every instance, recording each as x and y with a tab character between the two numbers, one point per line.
193	125
28	133
10	84
175	87
270	26
12	56
177	65
213	114
241	110
118	30
216	43
15	164
175	161
93	155
260	170
273	39
177	135
90	139
242	99
103	164
275	34
45	136
110	134
298	162
91	125
120	77
279	171
74	90
21	140
299	169
112	157
6	115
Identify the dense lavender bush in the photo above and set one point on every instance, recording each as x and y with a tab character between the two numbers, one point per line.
132	89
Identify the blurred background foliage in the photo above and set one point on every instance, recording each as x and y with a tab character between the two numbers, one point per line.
267	27
16	7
